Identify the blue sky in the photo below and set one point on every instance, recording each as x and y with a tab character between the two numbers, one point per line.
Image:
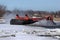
42	5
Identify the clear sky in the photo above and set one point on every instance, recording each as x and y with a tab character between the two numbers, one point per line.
43	5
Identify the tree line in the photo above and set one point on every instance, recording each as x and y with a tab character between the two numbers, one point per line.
3	10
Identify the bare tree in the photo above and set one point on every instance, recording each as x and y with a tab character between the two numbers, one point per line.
2	10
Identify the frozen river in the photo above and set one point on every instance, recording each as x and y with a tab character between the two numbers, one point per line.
18	28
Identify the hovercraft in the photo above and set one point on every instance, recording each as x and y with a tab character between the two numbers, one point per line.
39	22
21	22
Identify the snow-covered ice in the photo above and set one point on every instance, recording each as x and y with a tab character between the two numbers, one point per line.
27	37
21	36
